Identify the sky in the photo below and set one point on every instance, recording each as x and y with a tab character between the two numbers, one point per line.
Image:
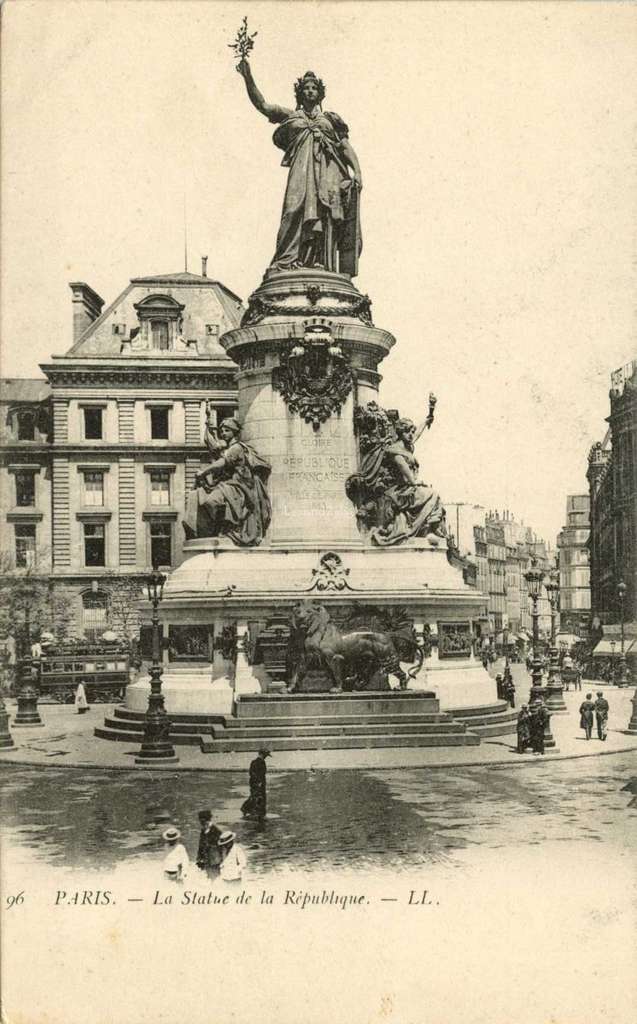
496	142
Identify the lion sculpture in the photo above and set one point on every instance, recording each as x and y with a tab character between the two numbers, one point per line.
357	660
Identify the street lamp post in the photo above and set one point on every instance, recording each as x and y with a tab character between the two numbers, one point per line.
156	748
554	690
28	715
613	666
623	668
534	578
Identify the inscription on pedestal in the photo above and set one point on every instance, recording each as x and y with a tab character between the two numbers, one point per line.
308	482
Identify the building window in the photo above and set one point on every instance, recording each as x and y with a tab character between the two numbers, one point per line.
94	544
159	487
159	335
93	488
24	488
224	414
92	423
94	614
212	329
160	543
25	546
159	422
119	328
26	425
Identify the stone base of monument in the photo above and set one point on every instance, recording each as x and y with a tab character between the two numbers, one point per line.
324	721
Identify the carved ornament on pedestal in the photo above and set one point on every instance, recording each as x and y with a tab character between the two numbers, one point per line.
331	574
314	377
359	307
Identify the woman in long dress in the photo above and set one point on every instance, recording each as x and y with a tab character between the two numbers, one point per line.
231	499
320	193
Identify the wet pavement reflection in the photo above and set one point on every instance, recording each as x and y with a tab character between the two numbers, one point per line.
319	820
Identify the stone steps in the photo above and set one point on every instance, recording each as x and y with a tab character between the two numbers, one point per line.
254	729
362	741
492	720
324	722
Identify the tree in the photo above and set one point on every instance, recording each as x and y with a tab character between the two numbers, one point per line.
124	595
24	594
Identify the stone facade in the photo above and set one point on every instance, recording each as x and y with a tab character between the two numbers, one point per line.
612	477
573	546
116	436
501	549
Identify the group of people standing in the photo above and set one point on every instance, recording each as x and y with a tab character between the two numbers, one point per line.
531	725
218	853
599	710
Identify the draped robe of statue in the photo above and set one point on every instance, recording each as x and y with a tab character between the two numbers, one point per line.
407	507
320	208
232	501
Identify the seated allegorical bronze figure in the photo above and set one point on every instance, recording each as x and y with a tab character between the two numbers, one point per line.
230	498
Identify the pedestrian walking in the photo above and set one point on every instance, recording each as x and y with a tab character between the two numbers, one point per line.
601	715
233	859
523	729
176	861
208	852
256	805
537	723
509	692
586	715
80	701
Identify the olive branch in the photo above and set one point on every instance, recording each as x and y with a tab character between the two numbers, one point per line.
244	42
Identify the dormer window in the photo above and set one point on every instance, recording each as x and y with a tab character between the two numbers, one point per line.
160	323
160	336
25	425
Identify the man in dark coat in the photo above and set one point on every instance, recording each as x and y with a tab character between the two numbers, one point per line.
601	715
208	853
586	715
536	725
509	691
255	805
523	729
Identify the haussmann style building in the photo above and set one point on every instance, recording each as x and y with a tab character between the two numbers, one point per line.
97	458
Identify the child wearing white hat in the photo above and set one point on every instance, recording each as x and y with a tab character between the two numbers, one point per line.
176	861
233	858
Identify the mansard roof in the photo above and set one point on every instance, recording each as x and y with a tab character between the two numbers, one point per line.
207	304
19	390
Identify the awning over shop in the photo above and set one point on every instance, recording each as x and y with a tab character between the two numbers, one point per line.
605	650
567	638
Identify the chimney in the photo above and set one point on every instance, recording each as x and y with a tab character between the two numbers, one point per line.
87	306
204	266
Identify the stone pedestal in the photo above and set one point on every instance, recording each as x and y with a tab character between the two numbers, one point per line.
6	740
308	354
632	724
554	694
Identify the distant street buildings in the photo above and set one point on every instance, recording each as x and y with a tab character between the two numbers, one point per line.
573	548
612	477
501	549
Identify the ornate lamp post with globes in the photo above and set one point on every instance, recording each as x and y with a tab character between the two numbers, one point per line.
621	593
554	691
534	578
28	715
156	748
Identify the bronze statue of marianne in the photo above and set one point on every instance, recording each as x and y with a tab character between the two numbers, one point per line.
230	498
320	224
